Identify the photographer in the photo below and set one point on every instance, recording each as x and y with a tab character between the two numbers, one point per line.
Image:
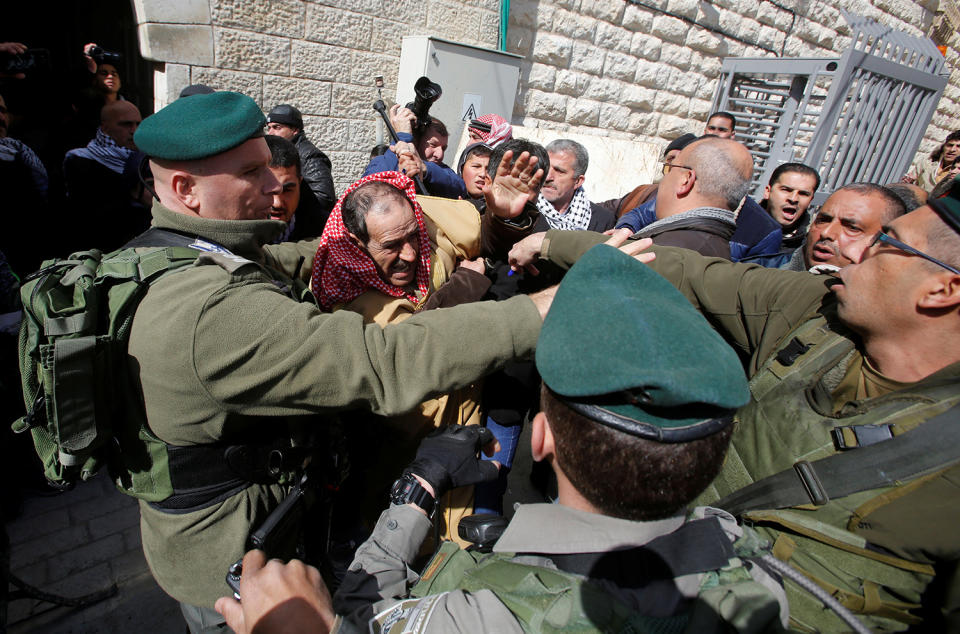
97	84
419	152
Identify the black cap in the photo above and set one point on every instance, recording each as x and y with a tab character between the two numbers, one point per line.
196	89
287	115
680	142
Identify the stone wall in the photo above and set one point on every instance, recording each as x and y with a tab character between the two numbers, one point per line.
643	70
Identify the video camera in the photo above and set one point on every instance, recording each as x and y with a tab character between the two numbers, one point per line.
102	56
33	59
426	92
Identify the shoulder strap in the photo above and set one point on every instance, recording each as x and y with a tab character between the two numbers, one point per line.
925	449
156	237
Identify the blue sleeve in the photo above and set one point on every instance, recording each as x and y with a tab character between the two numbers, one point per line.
386	162
639	217
443	181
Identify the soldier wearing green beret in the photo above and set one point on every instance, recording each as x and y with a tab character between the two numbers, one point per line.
235	352
846	456
633	433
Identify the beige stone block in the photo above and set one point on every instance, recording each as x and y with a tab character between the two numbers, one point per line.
519	40
670	29
708	65
404	12
685	83
637	18
771	15
699	109
168	83
250	84
347	168
614	116
620	66
488	5
670	127
329	134
552	49
645	123
276	17
686	8
542	77
242	50
570	82
609	10
646	46
603	89
354	102
177	43
583	112
652	74
362	135
612	38
364	67
180	12
677	56
587	58
770	37
670	103
706	42
370	7
387	36
573	25
454	21
814	33
547	106
336	26
749	30
573	5
319	61
489	29
307	95
523	14
638	97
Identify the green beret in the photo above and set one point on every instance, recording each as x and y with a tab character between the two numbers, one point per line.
621	346
200	126
948	206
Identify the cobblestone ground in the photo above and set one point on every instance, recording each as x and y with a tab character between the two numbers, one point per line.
79	542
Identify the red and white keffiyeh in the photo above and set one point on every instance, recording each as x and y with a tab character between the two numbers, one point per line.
342	271
500	129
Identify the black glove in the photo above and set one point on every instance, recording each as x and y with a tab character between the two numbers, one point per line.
447	458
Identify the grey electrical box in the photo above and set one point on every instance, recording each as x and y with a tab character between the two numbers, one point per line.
475	80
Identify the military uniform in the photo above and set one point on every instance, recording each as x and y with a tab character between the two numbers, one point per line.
875	550
226	353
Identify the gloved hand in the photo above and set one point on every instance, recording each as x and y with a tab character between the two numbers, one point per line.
448	458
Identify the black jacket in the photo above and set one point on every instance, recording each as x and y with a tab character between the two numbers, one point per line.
315	169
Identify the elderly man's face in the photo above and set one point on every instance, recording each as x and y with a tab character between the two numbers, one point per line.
844	228
561	181
720	126
237	184
431	146
789	197
394	242
285	201
282	130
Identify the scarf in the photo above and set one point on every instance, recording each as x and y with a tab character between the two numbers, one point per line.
500	130
105	151
714	213
578	213
342	271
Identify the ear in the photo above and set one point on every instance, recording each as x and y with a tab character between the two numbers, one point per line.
184	187
356	241
580	180
942	292
541	438
686	182
766	192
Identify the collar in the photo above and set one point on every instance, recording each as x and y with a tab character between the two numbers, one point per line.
574	531
241	237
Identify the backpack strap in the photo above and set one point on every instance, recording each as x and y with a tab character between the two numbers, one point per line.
925	449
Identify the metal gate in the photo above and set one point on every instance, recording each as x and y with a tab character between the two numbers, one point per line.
859	117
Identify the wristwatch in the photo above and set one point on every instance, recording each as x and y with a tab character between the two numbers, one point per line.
407	490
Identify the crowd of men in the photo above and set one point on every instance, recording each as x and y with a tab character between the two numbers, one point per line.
724	389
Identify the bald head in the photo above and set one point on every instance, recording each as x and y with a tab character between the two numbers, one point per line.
717	174
119	120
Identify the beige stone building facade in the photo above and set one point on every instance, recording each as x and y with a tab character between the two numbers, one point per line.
644	70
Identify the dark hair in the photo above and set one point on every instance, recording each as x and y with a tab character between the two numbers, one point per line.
791	168
581	159
724	115
474	149
894	206
937	153
519	146
907	195
629	477
436	125
283	153
364	199
379	150
943	243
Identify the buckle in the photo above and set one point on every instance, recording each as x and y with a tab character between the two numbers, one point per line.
853	436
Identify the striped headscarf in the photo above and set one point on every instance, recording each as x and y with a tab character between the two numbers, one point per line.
342	271
500	129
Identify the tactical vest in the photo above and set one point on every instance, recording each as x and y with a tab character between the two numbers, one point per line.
790	395
544	597
84	409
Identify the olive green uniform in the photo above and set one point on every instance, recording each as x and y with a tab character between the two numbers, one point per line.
875	550
223	351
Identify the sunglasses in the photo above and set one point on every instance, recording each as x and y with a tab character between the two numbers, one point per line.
882	237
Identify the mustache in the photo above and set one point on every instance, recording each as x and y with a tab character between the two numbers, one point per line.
828	244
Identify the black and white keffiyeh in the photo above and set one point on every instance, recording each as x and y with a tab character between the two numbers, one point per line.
105	151
577	216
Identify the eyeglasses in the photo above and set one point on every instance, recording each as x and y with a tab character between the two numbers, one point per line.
672	165
882	237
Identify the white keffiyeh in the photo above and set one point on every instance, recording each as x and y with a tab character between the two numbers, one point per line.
577	216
